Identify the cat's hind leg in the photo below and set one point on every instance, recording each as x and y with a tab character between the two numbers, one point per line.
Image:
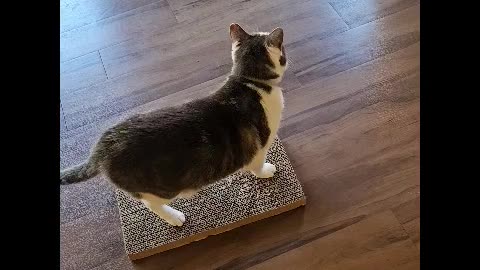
159	206
259	167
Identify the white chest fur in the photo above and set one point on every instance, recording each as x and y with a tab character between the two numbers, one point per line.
273	105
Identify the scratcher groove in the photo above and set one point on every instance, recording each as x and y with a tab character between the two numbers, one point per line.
235	201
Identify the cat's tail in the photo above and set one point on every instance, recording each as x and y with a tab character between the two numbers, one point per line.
79	173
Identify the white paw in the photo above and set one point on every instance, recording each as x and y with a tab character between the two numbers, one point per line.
173	217
268	171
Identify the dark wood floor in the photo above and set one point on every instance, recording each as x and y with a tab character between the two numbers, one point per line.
351	124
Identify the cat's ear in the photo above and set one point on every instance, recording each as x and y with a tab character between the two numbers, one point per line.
237	33
275	38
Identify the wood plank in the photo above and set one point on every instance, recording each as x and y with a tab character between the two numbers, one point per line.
378	242
81	72
129	25
92	239
408	214
308	106
357	167
358	12
318	58
78	13
312	17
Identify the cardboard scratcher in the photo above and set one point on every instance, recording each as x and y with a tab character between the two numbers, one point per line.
230	203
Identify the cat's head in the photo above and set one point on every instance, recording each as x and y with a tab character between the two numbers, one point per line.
258	55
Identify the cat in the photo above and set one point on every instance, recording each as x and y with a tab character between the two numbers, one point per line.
173	152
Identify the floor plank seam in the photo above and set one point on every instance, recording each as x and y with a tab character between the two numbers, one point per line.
386	15
171	10
103	65
62	115
404	230
92	51
340	16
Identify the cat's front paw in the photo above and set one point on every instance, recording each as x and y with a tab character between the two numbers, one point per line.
174	217
268	170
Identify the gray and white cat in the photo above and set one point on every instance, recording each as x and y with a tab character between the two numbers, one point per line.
173	152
